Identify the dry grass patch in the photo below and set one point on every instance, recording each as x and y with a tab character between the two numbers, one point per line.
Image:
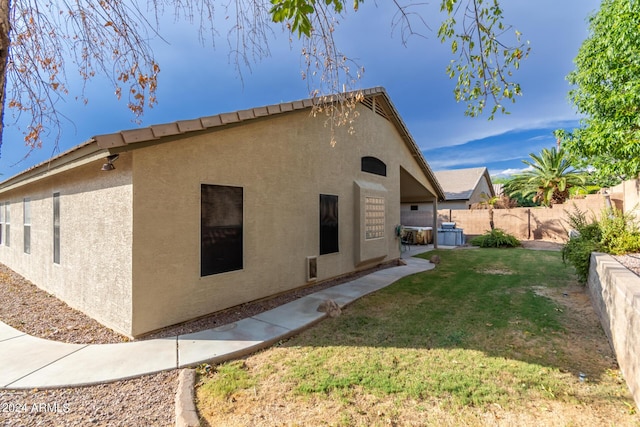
459	345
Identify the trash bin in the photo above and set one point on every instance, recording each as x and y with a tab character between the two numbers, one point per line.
450	236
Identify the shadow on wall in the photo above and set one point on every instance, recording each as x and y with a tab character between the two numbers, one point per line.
524	223
548	230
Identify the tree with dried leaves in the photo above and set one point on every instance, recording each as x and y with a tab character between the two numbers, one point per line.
44	44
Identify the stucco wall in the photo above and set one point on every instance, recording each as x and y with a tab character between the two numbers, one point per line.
283	163
626	196
94	274
615	294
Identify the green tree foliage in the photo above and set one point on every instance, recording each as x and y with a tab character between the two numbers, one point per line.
607	93
488	51
616	233
549	179
486	62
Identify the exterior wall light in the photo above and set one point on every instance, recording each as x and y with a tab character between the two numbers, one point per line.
109	165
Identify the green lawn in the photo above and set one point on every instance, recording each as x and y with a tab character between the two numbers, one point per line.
485	331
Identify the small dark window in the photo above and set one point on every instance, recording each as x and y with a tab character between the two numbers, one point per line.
221	229
26	211
56	228
7	225
328	224
374	165
414	207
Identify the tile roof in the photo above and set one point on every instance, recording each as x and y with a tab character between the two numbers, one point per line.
458	184
130	139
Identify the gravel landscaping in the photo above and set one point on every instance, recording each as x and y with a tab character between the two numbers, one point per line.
143	401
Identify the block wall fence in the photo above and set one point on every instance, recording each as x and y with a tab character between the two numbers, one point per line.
537	223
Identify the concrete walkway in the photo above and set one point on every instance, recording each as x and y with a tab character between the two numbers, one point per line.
28	362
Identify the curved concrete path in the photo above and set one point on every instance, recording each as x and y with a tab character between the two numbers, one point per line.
28	362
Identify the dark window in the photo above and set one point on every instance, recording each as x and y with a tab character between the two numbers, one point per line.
56	228
328	224
414	207
2	223
7	225
221	229
26	205
374	165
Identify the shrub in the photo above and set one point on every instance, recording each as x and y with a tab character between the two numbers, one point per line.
495	238
616	233
577	252
620	233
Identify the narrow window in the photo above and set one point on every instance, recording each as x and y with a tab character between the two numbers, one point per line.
220	229
328	224
26	209
1	223
56	228
373	165
7	225
414	207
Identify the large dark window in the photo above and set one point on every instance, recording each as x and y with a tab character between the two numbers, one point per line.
221	229
373	165
56	228
328	224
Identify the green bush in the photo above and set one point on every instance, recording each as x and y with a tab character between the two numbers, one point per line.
616	233
495	238
620	233
577	252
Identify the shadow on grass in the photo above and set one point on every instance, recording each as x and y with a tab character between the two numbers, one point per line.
480	315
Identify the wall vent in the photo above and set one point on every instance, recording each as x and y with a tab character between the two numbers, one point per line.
312	268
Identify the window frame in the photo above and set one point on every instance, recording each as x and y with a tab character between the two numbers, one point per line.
56	227
374	217
7	223
218	257
2	223
26	223
373	165
329	224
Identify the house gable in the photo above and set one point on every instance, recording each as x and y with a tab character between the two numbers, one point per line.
278	162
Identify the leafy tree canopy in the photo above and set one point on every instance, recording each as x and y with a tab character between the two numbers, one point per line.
607	93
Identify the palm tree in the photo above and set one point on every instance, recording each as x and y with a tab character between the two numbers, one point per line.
548	179
488	202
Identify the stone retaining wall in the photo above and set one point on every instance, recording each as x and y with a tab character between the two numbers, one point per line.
615	294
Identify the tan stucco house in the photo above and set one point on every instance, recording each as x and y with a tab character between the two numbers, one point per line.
465	187
462	188
150	227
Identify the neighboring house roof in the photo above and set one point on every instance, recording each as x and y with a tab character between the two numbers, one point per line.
459	184
103	145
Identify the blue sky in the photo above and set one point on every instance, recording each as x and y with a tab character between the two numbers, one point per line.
199	80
